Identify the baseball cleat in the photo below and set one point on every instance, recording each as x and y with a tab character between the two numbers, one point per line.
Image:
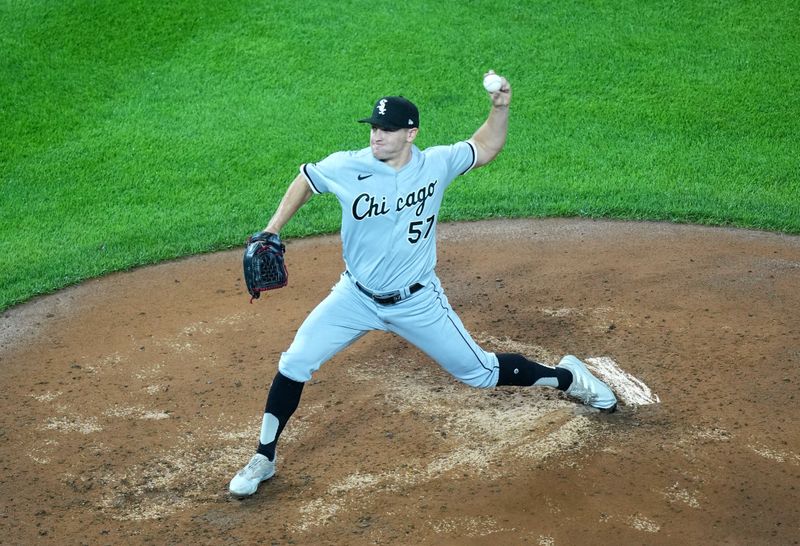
246	481
586	387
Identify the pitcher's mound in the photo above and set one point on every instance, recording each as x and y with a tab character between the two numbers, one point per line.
130	401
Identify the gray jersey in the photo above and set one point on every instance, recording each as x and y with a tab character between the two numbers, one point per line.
388	216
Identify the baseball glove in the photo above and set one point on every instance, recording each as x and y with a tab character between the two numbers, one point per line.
264	268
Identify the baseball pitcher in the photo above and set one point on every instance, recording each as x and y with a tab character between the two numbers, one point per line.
390	194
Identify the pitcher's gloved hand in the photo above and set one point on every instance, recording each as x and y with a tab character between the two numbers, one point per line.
264	268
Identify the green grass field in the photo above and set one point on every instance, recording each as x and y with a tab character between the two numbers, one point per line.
133	132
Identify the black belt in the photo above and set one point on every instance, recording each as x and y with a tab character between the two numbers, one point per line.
389	298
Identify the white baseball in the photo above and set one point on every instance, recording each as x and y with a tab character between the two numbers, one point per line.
492	83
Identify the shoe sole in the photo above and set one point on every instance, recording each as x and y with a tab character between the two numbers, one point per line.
612	409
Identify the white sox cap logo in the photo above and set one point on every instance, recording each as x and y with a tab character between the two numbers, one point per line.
382	107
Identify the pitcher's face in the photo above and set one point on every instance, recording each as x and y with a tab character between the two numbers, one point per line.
389	146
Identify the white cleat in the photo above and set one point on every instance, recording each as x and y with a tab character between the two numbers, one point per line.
246	481
586	387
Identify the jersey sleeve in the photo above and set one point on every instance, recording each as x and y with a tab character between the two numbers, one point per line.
322	174
466	156
460	157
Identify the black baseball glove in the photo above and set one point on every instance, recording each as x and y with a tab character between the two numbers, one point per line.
264	268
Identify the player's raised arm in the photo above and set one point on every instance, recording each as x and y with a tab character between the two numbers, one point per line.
490	137
298	193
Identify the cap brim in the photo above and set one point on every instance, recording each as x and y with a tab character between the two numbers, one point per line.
380	123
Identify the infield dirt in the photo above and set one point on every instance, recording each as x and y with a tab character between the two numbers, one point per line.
130	401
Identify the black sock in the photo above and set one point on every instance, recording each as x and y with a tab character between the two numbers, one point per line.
517	370
282	401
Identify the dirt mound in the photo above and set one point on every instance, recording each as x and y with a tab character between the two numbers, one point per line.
130	401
